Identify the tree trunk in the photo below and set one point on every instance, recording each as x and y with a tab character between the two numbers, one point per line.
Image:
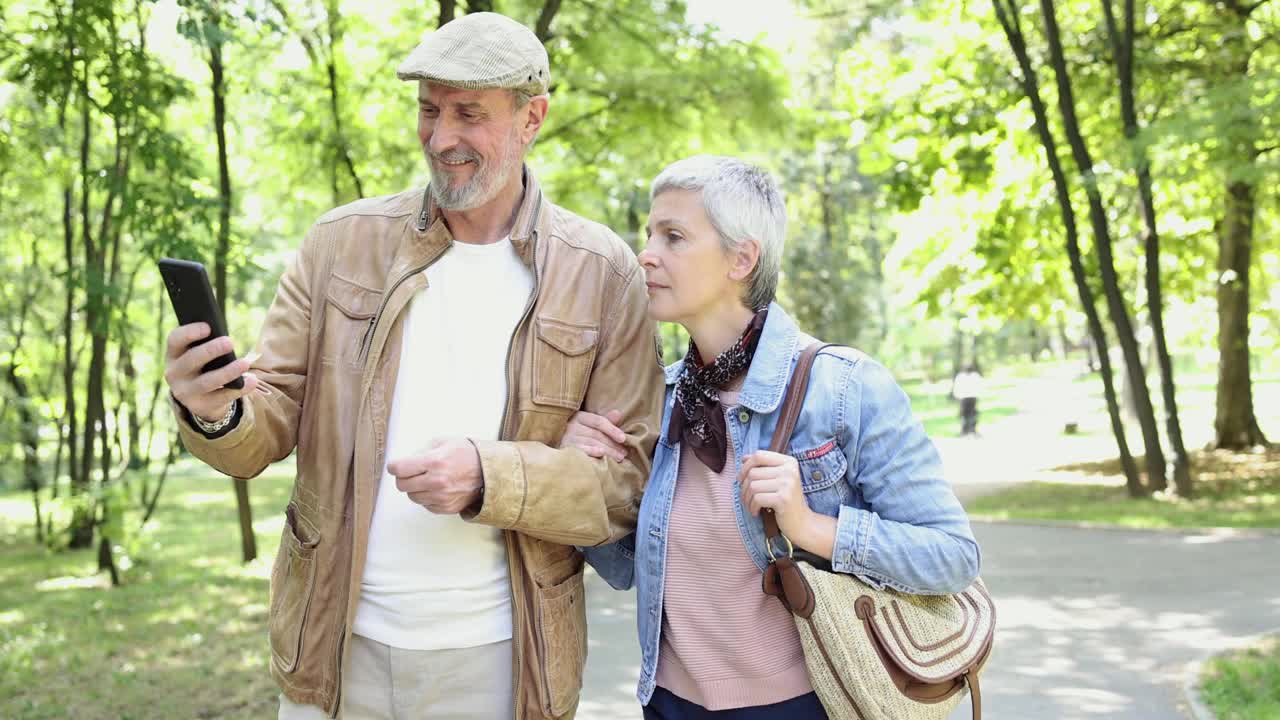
157	384
136	460
1119	313
107	561
447	10
543	27
29	438
1008	17
248	543
69	417
149	502
957	349
335	106
479	6
82	519
1122	43
1236	425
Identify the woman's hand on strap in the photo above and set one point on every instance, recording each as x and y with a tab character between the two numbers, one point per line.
772	480
596	435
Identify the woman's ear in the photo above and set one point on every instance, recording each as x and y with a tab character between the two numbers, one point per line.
745	259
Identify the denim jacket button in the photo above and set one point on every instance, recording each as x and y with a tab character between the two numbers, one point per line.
743	416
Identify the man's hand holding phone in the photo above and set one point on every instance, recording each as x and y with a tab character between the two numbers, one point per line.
204	393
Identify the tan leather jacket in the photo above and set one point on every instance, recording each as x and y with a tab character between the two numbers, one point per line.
329	367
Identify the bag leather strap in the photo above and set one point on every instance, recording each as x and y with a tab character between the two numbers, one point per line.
792	402
783	578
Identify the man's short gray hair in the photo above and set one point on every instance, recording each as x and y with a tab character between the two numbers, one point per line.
521	96
743	203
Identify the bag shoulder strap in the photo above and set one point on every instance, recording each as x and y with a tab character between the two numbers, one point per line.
792	402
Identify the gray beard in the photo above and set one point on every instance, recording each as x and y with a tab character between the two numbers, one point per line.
488	181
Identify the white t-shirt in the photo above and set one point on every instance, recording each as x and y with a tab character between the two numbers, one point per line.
434	581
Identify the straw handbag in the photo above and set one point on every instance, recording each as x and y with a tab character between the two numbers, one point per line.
875	654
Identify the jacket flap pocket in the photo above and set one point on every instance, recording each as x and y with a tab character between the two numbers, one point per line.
354	300
821	466
565	337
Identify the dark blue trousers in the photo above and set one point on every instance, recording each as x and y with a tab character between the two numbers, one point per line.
665	706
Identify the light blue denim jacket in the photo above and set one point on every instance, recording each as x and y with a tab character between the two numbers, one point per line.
863	458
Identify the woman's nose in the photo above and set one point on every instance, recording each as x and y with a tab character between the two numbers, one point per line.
647	259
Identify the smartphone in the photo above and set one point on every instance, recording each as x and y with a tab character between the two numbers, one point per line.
193	301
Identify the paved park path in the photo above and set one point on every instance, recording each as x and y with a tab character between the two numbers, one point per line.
1091	623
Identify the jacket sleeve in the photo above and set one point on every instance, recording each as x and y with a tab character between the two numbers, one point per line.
615	562
562	495
915	537
267	429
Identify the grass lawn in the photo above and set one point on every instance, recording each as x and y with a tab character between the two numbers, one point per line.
184	637
1233	490
1245	685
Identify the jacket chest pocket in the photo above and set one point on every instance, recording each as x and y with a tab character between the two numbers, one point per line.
349	310
563	354
822	476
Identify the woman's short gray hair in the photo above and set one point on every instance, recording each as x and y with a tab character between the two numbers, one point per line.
743	203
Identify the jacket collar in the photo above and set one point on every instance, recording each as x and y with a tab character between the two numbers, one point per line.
529	217
770	367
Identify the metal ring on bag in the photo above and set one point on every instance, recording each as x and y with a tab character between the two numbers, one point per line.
768	544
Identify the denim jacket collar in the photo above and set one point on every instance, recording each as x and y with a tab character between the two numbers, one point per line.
770	367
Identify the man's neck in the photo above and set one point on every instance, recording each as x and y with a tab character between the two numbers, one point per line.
491	222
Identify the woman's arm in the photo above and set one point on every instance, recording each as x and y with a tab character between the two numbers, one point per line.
615	562
916	536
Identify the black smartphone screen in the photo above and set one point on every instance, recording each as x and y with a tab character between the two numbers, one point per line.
193	301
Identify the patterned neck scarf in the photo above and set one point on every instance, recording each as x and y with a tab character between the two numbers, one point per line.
699	421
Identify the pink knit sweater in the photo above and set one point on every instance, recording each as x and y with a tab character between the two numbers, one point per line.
725	644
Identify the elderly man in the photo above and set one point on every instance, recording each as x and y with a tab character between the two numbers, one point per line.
423	354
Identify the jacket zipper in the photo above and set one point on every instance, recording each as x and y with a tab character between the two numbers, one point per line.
517	645
506	368
342	644
366	342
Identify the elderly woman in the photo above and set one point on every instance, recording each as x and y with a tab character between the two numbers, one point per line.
860	486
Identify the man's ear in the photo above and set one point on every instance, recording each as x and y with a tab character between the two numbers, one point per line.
745	259
531	118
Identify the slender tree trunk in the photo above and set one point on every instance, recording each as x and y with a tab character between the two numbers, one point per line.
543	27
447	10
248	542
875	251
1119	313
479	6
157	384
1010	23
29	438
149	503
67	426
1236	425
341	146
1122	44
70	420
134	452
82	519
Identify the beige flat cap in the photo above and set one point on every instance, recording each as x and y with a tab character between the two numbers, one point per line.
481	50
